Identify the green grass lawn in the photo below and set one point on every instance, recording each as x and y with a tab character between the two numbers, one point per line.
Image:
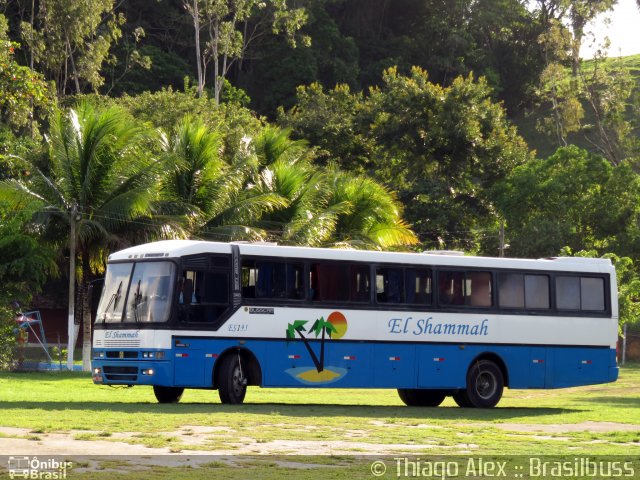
525	422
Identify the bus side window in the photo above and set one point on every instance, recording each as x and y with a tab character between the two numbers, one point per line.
295	281
187	291
390	285
580	293
330	282
451	288
478	289
359	280
418	286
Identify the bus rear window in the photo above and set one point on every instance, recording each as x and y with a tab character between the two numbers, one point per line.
580	293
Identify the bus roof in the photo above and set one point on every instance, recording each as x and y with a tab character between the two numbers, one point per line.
179	248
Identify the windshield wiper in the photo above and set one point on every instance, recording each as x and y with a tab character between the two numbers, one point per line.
137	300
115	298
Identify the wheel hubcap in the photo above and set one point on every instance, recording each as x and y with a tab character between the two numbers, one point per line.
486	385
238	381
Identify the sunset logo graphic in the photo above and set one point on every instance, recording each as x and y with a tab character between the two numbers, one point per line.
334	328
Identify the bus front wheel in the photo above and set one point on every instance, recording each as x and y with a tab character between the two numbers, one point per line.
485	384
413	397
168	394
232	383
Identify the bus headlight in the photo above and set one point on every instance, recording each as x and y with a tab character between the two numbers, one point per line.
148	371
156	355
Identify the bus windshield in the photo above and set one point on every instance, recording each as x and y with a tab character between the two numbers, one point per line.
148	298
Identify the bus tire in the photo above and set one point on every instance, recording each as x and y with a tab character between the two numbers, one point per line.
232	384
462	399
168	394
485	384
421	397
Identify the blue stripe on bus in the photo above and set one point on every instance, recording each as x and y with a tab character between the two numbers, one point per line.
370	365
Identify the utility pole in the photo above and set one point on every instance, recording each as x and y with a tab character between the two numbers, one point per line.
501	238
624	344
72	285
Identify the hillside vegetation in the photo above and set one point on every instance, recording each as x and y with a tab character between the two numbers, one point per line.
405	125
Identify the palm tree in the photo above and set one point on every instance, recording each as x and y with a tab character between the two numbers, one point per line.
99	191
271	190
370	214
325	206
216	197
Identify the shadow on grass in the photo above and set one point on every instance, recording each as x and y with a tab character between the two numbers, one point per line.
294	410
617	401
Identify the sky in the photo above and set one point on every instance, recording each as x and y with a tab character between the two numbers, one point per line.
623	31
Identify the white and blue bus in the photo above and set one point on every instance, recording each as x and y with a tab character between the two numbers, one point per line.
206	315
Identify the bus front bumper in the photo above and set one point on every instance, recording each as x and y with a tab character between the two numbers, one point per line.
132	373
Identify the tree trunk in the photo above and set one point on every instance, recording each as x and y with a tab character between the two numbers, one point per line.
215	40
86	313
195	13
73	67
72	285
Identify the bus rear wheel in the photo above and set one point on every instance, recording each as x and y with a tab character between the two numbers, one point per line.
413	397
485	384
232	384
168	394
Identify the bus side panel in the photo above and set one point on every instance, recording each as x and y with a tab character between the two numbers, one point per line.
446	366
394	365
194	359
188	362
443	365
290	364
570	367
537	368
282	362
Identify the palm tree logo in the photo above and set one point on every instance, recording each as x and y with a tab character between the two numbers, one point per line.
334	327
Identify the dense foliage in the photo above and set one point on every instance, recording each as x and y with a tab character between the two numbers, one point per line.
344	123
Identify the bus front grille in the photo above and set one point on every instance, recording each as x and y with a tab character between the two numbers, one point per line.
126	374
127	354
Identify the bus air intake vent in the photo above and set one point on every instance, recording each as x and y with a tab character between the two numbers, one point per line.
123	374
121	343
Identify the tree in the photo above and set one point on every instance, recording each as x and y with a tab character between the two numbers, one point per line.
209	192
328	207
275	68
439	147
607	89
270	190
573	198
231	26
581	12
98	195
25	264
70	40
165	108
23	93
590	107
